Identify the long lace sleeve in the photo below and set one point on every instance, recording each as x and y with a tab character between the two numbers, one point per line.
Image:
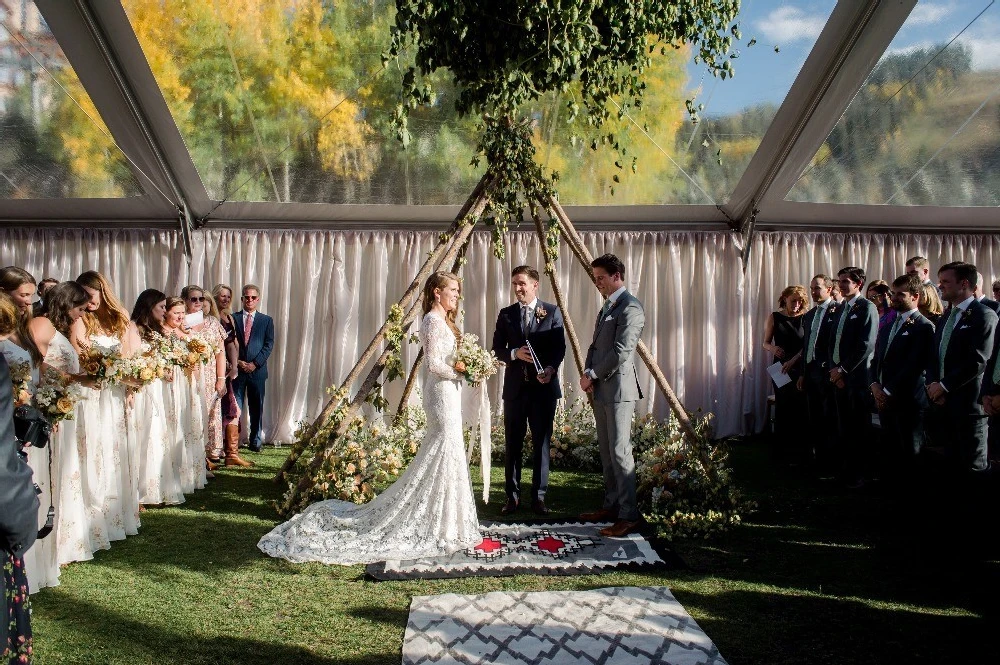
439	346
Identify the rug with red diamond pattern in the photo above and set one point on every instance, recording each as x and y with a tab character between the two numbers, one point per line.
536	549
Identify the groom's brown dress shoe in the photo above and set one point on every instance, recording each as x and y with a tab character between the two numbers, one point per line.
509	507
619	529
539	507
602	515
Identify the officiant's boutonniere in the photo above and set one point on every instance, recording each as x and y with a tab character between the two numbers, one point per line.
540	313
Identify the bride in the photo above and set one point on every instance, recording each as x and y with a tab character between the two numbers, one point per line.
430	510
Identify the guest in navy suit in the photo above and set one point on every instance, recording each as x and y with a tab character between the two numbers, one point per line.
255	336
962	347
897	377
529	396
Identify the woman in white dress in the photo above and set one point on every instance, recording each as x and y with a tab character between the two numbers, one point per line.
103	423
79	532
152	417
190	410
430	510
40	561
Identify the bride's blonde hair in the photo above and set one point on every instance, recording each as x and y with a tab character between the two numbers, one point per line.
439	280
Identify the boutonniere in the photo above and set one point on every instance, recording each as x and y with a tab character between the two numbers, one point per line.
540	313
909	321
967	313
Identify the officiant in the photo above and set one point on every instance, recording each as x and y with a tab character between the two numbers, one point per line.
530	338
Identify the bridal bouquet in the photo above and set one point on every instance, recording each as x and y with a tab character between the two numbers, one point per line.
20	379
102	359
480	364
56	396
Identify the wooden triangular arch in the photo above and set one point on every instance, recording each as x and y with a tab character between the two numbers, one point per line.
322	437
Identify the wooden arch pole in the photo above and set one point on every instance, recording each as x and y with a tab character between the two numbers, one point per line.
550	269
467	215
467	223
584	256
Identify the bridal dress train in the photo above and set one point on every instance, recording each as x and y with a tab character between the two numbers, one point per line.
429	511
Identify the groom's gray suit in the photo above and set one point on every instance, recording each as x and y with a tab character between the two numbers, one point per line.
616	390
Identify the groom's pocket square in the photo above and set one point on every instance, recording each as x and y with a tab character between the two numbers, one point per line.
963	327
854	316
609	318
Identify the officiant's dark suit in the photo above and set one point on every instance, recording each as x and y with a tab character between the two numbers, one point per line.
528	403
855	324
965	356
899	367
255	336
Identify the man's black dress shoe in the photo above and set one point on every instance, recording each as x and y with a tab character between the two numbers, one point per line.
539	507
509	507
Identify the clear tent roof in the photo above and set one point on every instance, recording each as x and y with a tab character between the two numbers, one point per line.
262	112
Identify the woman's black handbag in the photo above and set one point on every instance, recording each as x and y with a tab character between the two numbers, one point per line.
30	427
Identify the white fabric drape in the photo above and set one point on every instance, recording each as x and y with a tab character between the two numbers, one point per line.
329	291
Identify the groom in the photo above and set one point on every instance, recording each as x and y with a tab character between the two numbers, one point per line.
611	377
529	396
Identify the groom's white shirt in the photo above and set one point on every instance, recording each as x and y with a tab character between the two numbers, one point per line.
612	299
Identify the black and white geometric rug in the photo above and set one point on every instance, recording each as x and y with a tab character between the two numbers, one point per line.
538	549
613	626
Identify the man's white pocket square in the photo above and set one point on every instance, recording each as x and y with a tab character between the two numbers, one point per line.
904	334
854	316
963	327
608	318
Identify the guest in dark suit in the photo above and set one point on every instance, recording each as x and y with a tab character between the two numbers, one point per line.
255	336
981	296
18	521
815	378
529	397
962	347
43	286
852	345
990	399
897	377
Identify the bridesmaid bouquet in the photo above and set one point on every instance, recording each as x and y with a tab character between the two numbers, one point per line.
56	396
200	347
20	379
480	364
102	360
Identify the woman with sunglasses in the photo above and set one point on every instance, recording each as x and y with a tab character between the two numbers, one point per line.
213	375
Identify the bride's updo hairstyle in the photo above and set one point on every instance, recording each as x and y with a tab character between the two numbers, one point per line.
59	300
439	280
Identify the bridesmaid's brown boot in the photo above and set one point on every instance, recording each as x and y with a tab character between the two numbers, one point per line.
233	446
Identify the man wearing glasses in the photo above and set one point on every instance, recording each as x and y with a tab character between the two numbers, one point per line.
255	336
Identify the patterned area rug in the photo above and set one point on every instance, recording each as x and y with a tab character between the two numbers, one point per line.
613	626
539	549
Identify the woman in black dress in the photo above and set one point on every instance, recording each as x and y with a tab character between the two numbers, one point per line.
783	338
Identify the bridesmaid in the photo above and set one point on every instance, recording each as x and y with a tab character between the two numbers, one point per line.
103	425
78	532
190	409
151	419
39	561
230	408
214	374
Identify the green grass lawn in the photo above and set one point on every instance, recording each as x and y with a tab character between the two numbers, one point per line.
814	576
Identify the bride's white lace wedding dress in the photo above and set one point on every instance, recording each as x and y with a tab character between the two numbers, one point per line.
428	511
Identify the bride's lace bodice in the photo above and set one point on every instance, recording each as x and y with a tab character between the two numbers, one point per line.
428	511
62	355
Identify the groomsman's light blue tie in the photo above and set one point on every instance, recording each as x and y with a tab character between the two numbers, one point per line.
896	325
946	337
840	331
813	332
